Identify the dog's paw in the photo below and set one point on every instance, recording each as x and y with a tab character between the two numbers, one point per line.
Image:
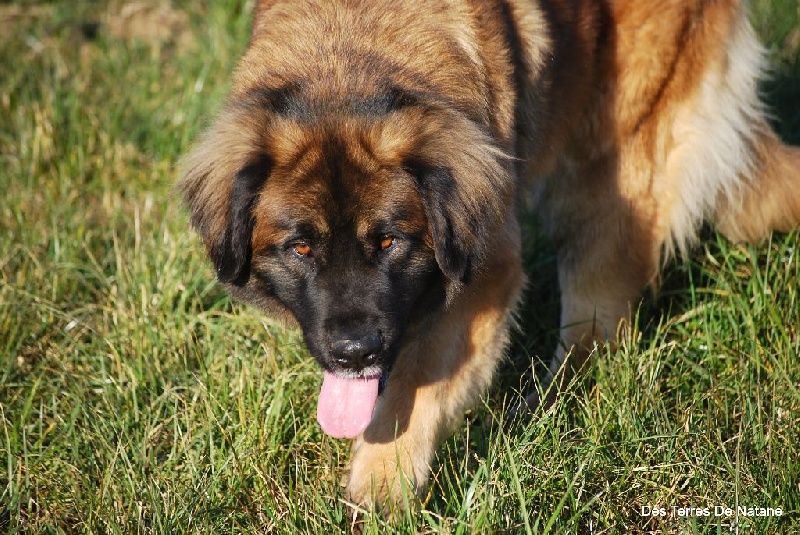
383	478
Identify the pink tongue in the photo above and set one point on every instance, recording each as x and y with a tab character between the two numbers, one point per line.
345	405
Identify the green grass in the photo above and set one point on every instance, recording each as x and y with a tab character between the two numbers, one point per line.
136	398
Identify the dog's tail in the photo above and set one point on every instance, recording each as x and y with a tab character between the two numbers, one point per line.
769	199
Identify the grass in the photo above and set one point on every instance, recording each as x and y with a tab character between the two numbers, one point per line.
136	398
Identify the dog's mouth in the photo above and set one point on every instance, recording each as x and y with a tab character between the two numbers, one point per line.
346	404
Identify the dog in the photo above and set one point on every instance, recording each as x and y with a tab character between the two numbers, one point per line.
362	182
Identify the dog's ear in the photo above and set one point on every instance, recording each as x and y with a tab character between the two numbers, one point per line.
222	213
222	178
232	254
467	191
453	239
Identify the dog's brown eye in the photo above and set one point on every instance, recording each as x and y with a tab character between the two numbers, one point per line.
302	248
386	241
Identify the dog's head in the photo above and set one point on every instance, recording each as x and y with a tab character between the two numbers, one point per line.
353	215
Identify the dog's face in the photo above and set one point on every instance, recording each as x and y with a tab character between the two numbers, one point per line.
354	217
341	239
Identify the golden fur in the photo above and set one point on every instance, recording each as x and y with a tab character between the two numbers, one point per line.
624	124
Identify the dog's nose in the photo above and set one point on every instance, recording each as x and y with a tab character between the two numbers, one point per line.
357	352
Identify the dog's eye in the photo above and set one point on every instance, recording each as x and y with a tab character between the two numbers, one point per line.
387	240
301	248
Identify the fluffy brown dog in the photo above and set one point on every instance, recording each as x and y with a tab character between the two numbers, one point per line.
361	182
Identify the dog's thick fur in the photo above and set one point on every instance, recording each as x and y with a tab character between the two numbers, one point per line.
364	173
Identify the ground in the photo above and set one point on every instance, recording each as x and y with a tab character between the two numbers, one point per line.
136	398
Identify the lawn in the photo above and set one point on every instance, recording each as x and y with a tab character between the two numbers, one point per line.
135	397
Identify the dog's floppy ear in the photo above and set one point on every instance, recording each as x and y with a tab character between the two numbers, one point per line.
222	213
455	249
467	189
232	254
222	179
